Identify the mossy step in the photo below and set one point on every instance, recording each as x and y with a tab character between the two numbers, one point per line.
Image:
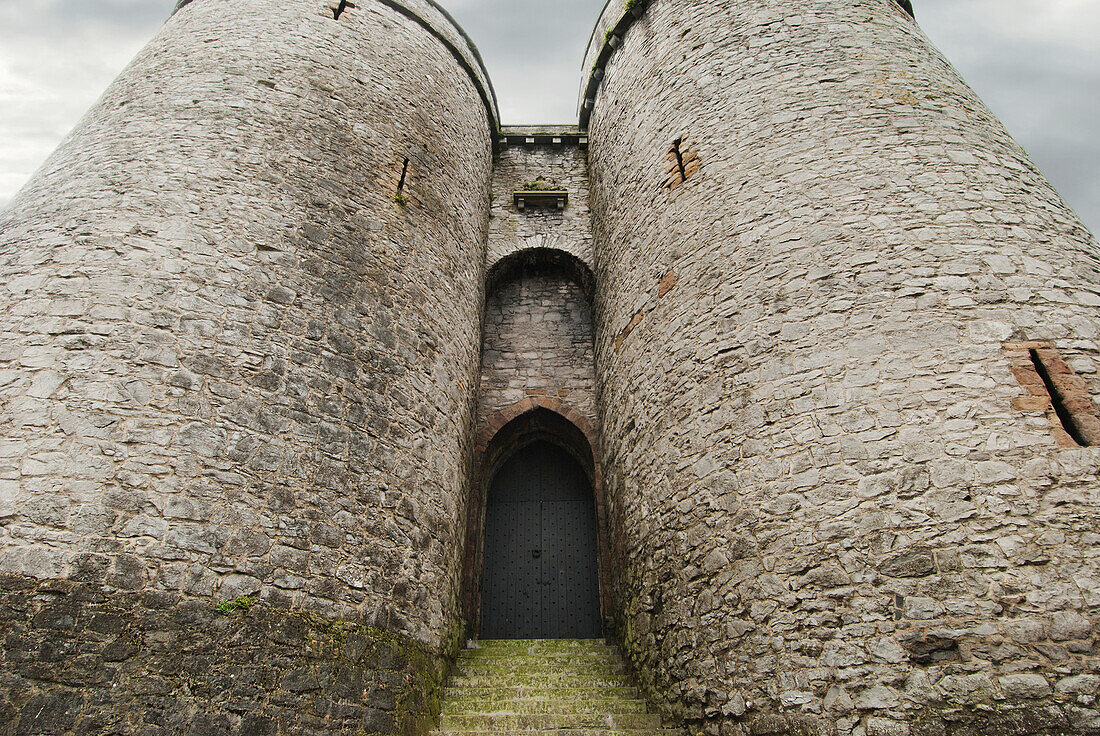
577	687
473	706
539	680
569	732
521	692
541	655
509	722
520	667
542	645
540	661
491	696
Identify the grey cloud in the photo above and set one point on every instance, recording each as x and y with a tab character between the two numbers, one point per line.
1037	65
534	52
60	16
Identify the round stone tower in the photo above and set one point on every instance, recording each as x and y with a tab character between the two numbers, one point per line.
847	344
240	323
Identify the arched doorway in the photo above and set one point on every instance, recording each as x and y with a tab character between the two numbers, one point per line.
502	457
540	578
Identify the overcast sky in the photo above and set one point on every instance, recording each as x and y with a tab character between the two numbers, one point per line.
1035	62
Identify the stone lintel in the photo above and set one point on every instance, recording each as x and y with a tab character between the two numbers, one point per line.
543	135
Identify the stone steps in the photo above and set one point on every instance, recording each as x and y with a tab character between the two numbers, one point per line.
520	667
569	687
541	653
526	706
548	721
547	681
567	732
520	692
547	646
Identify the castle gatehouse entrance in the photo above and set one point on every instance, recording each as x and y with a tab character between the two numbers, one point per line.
540	577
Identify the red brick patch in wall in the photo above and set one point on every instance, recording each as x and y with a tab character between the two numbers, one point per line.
1053	387
667	283
681	163
634	322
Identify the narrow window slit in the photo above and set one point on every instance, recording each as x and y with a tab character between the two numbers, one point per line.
339	9
404	173
907	6
1065	416
680	162
679	156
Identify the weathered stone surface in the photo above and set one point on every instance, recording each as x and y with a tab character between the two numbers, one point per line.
857	253
1025	686
538	343
235	365
931	648
914	564
225	334
80	659
562	165
239	330
1066	625
1080	685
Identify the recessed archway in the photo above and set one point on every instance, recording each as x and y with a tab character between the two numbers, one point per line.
542	261
531	432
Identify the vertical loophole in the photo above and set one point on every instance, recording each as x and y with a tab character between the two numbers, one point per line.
339	9
1065	416
907	6
404	174
679	156
680	162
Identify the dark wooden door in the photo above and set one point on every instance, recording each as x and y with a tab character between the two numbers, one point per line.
540	579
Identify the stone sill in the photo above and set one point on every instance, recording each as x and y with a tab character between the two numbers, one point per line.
540	198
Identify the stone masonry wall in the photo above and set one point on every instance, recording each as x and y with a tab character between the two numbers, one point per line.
538	335
79	659
836	506
232	360
538	347
538	343
222	372
511	230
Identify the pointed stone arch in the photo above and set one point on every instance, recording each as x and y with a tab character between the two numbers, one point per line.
507	432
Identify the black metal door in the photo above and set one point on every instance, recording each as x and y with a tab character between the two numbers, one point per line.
540	579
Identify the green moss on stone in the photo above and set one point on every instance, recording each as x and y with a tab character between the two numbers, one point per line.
541	184
242	603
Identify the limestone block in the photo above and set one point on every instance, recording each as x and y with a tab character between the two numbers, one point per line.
1066	625
876	698
1079	685
1025	686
